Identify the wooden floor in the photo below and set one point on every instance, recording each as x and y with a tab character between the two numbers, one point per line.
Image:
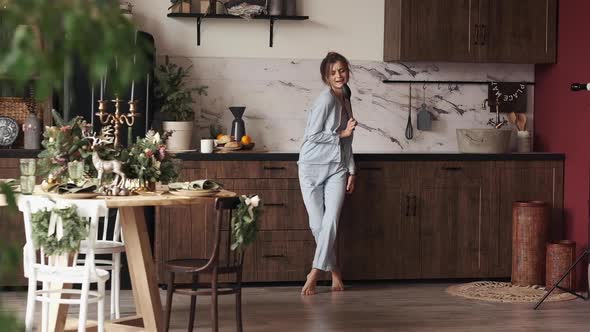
383	307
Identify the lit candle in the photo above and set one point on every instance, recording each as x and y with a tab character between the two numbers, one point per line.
92	109
147	102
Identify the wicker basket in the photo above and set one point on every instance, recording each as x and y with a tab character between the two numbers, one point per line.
530	232
18	108
560	256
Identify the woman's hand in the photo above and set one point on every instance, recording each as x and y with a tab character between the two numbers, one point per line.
350	183
350	125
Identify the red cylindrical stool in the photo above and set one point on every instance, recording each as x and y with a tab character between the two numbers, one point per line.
560	256
530	234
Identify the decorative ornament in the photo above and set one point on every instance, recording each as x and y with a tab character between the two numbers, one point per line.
58	231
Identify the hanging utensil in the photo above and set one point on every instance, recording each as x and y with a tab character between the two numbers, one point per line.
409	129
424	118
512	117
521	121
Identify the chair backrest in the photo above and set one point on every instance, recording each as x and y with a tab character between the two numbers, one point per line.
91	210
110	227
221	254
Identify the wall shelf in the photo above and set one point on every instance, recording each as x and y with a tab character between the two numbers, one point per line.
271	18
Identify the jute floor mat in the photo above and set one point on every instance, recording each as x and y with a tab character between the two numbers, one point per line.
493	291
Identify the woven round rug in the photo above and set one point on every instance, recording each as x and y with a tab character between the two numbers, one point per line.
493	291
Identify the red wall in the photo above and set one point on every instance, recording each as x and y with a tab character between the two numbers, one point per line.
562	117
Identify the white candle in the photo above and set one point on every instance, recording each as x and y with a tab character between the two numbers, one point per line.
132	89
92	109
101	89
147	102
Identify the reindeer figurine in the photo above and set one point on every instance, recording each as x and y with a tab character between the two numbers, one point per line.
106	166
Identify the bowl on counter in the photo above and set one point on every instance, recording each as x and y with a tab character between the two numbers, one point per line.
484	140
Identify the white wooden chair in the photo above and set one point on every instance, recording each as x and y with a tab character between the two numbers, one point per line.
62	269
109	242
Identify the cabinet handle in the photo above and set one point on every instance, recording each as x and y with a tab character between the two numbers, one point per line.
274	168
476	41
415	203
275	204
483	34
407	205
273	256
451	169
371	168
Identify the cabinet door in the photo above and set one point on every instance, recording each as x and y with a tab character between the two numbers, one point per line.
450	204
376	239
525	181
430	30
12	229
520	31
283	255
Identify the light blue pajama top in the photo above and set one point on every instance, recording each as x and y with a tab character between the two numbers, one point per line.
321	142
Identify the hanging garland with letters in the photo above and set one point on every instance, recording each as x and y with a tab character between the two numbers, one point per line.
507	97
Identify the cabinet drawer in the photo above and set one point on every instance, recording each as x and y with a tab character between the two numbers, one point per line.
243	169
284	256
283	210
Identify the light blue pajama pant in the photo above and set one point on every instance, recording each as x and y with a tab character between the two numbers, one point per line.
323	188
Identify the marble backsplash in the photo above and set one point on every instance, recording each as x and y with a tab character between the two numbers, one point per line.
278	94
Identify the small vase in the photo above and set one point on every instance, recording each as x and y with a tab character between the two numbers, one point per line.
151	186
32	130
290	7
238	127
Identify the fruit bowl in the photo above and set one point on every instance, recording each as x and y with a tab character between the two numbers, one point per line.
248	146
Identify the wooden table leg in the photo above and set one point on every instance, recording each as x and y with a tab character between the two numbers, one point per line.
141	267
59	313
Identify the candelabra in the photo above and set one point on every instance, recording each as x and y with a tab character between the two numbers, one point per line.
117	119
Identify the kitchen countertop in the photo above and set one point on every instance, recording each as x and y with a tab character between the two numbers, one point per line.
377	156
281	156
18	153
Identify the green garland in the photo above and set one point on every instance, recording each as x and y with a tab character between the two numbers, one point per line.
74	227
244	222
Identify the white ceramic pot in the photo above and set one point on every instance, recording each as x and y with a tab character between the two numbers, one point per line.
182	132
483	140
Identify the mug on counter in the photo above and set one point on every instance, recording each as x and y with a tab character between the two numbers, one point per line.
207	145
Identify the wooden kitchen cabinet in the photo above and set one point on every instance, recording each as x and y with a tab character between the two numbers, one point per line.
470	30
524	181
406	219
12	229
451	204
377	240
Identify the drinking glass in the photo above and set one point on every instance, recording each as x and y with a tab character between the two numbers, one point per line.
27	184
28	166
75	170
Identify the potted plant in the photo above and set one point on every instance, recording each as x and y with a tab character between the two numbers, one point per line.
175	101
45	38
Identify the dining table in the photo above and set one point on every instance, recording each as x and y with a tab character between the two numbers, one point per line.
149	312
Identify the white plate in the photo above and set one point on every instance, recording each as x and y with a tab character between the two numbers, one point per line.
74	195
194	193
182	151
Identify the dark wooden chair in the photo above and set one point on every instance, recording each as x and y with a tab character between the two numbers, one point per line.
229	264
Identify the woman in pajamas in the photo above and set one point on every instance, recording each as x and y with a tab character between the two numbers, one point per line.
326	167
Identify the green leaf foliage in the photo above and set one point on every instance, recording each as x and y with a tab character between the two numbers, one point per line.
244	222
44	38
75	229
173	97
64	143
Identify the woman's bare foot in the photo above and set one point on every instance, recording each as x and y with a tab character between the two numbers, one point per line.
337	285
310	283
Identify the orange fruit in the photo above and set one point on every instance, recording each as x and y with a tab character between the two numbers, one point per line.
219	136
246	140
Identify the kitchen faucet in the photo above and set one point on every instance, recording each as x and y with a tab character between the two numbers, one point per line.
497	123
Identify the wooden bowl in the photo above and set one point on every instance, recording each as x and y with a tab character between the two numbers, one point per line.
248	146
